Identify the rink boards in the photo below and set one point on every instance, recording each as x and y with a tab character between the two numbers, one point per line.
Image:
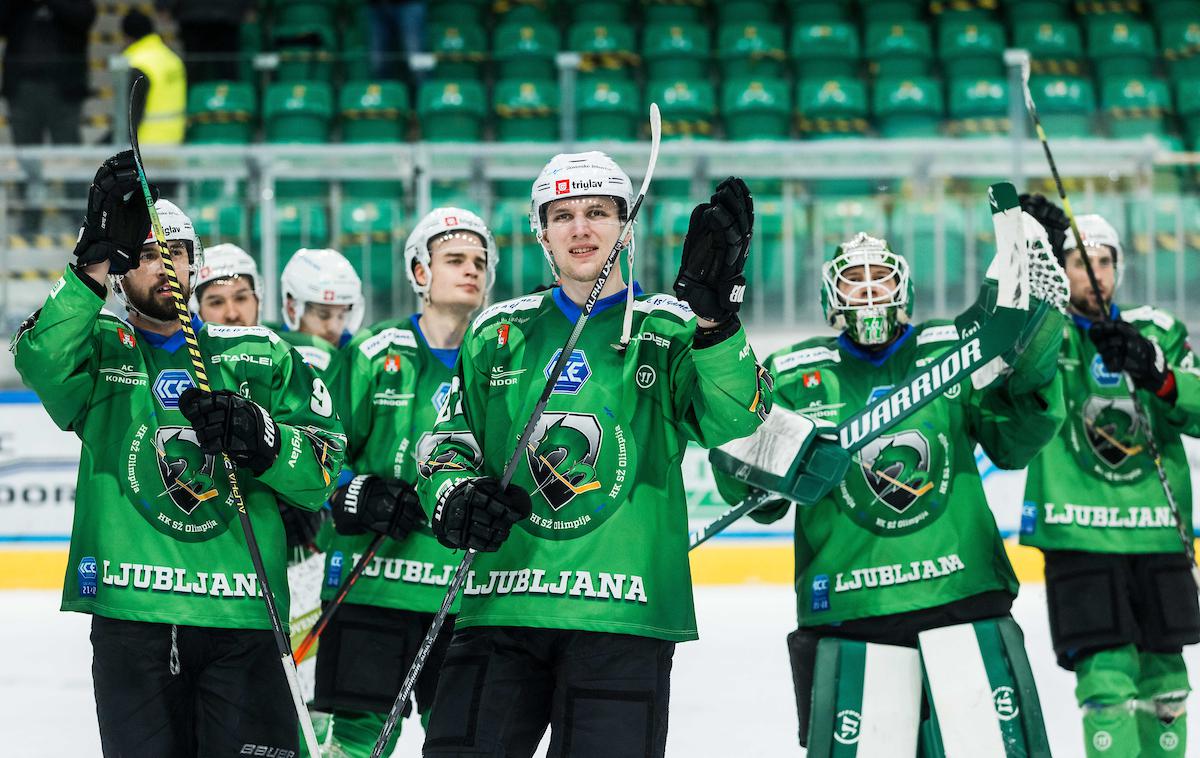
38	466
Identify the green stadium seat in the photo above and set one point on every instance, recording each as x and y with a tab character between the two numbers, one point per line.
751	50
522	265
523	11
892	11
1181	48
766	266
458	193
914	232
298	112
322	12
600	11
1175	11
1120	46
908	106
451	13
1165	242
370	189
675	50
607	109
668	12
525	50
978	106
1055	46
756	108
374	111
972	48
899	49
298	223
526	110
1135	107
830	49
371	234
688	107
1187	99
819	11
460	49
733	12
306	52
836	220
219	220
451	111
831	108
221	113
1042	10
604	46
1065	104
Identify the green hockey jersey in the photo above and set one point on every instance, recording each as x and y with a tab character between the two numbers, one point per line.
909	527
606	546
389	386
155	536
319	354
1094	486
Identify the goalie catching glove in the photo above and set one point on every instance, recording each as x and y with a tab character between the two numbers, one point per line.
714	252
476	514
117	220
226	422
370	503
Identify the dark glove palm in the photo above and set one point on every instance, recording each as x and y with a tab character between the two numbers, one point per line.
1051	217
1124	349
301	527
710	276
117	221
478	515
226	422
370	503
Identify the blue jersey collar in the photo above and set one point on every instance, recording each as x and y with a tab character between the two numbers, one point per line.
447	355
1084	323
573	311
874	357
172	343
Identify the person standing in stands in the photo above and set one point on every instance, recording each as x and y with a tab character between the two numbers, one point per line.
162	118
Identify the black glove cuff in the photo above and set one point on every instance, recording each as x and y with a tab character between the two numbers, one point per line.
715	335
99	289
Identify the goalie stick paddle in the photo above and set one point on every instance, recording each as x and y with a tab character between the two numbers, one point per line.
564	355
980	342
137	93
1139	410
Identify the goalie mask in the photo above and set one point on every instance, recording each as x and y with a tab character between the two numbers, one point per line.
576	175
321	276
866	290
176	227
1097	232
441	221
226	261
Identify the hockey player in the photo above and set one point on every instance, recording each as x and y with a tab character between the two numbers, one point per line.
570	619
901	573
1121	598
183	659
322	305
228	290
390	384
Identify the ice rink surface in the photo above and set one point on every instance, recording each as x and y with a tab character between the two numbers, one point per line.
731	691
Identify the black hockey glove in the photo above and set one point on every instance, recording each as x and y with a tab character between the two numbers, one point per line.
1123	348
226	422
1051	217
370	503
117	221
301	527
476	514
714	252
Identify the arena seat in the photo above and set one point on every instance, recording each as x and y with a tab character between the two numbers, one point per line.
451	111
221	113
908	106
374	111
526	110
756	108
298	112
831	107
830	49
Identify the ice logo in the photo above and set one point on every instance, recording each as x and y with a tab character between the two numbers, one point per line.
170	384
334	578
440	395
87	576
1102	375
820	592
573	375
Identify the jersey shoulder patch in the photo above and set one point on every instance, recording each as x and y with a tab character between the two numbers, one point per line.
664	302
235	332
314	356
526	303
1156	316
804	356
937	333
375	345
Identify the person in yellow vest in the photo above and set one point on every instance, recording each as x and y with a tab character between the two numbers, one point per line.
163	117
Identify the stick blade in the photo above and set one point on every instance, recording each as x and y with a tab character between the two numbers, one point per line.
1009	267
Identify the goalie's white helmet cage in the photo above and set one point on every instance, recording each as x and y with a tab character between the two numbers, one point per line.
226	261
321	276
871	317
441	221
176	226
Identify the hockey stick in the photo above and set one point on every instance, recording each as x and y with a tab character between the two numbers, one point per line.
185	322
327	613
564	355
1189	548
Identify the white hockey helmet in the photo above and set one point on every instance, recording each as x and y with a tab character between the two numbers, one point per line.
440	221
1097	232
577	175
226	261
176	226
321	276
871	321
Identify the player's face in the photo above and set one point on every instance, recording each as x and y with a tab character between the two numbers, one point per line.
230	302
325	321
147	287
1083	298
581	232
867	284
458	262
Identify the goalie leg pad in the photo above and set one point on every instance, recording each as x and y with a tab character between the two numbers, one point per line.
865	700
983	698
